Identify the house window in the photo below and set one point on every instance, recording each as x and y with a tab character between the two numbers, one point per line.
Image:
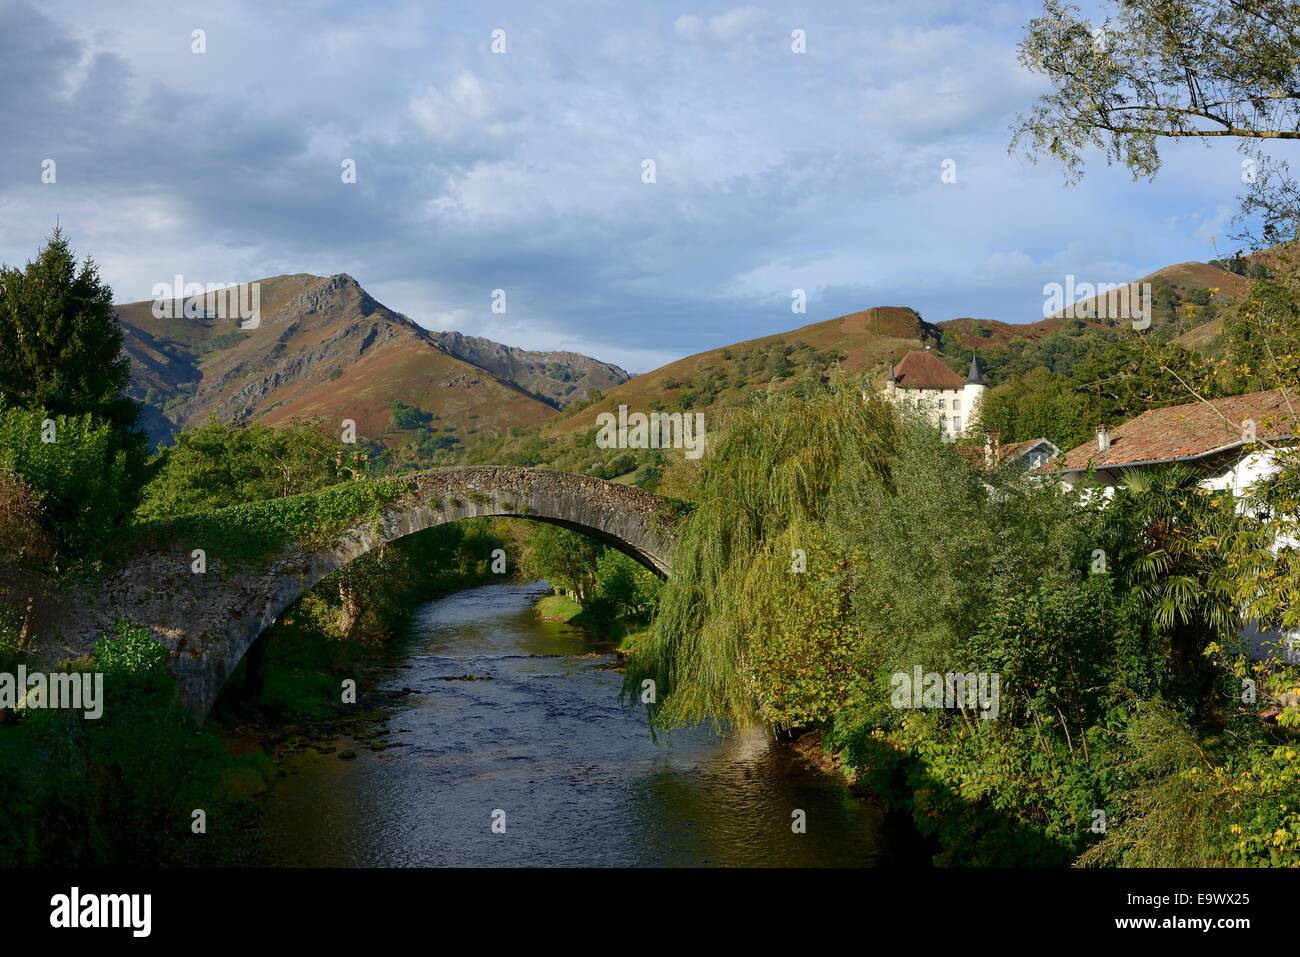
943	404
956	424
956	404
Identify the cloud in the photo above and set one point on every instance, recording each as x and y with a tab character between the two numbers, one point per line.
451	112
689	26
730	27
522	170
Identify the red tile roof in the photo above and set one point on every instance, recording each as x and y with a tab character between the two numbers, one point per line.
921	370
1188	431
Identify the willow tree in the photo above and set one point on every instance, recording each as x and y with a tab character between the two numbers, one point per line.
752	624
1163	70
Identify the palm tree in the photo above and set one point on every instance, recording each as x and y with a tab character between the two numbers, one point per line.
1178	539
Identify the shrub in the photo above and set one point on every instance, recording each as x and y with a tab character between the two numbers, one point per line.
133	651
81	478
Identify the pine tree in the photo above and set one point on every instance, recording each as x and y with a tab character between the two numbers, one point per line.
60	341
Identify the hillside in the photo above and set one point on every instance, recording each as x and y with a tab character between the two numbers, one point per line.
1189	301
326	348
860	342
556	377
1187	298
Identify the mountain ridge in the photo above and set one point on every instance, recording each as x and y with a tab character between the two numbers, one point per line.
325	347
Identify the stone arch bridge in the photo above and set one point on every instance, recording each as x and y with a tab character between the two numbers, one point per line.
208	621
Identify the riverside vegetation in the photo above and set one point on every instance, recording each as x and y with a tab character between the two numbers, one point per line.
826	543
834	544
77	488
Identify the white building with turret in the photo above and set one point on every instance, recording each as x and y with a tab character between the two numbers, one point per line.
921	381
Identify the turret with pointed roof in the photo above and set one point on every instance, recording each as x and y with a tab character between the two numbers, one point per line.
922	381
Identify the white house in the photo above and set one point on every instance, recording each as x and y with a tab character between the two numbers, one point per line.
1230	441
923	382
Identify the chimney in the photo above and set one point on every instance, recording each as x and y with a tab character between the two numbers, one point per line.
1103	439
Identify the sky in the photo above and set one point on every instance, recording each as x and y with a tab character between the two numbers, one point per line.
523	169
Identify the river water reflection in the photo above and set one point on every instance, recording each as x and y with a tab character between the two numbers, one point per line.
541	736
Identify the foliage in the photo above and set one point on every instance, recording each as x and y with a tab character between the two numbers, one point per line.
623	589
632	588
1175	541
60	341
1039	404
1264	337
1267	566
1190	802
249	532
25	553
1101	619
809	662
765	482
565	559
132	651
118	789
82	479
1160	70
217	465
1140	373
409	416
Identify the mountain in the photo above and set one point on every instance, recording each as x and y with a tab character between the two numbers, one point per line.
1189	303
860	342
325	347
557	378
1187	299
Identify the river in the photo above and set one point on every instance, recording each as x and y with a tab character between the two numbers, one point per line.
539	734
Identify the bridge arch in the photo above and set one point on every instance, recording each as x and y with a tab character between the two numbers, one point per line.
209	621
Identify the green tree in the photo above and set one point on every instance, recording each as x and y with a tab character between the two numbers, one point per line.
1165	70
60	341
1264	337
1038	404
761	491
217	465
1137	374
565	559
623	589
79	473
1267	568
1176	539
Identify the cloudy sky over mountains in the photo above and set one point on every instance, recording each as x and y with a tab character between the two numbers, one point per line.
523	171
